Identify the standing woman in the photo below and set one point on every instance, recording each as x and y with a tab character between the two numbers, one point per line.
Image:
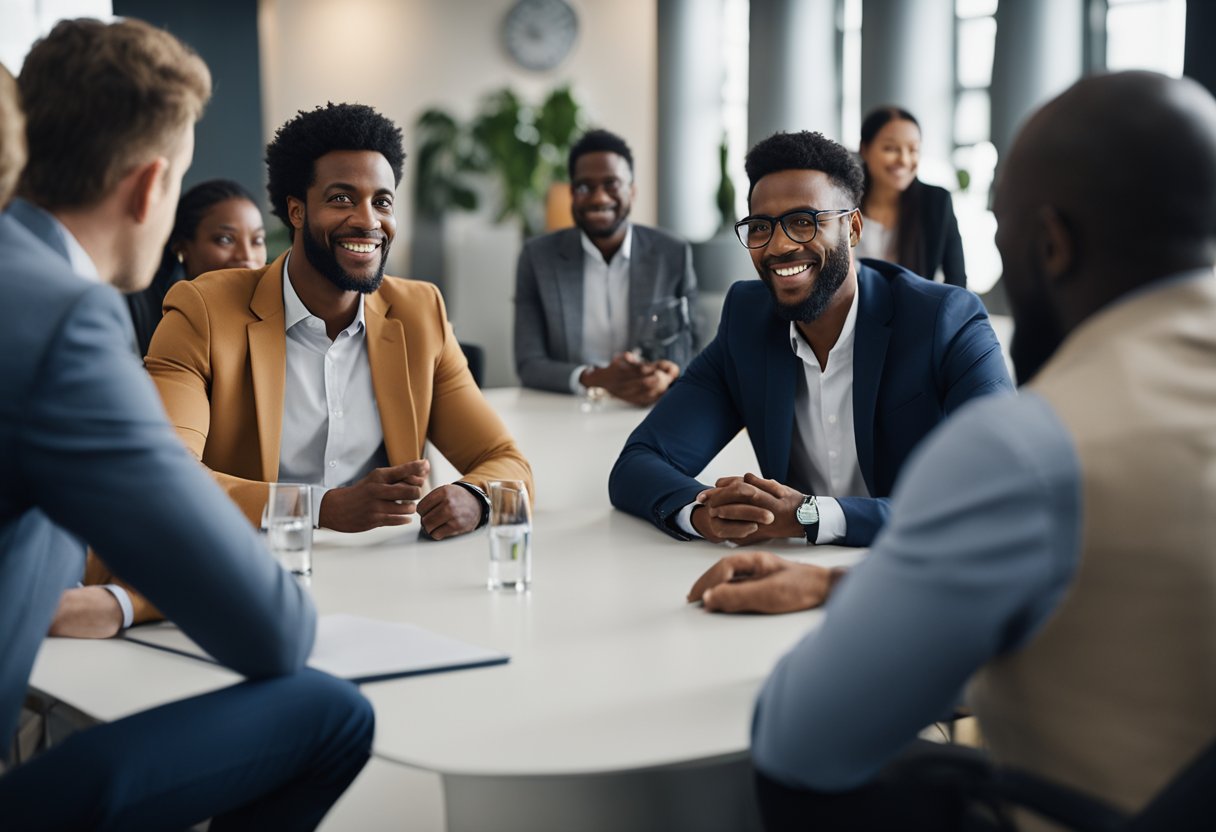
905	221
217	226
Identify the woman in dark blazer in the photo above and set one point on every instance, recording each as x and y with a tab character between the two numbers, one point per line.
905	221
218	226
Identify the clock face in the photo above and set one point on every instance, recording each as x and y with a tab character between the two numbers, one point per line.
539	33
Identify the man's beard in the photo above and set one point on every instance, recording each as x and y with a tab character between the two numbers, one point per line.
322	258
602	232
1036	337
832	272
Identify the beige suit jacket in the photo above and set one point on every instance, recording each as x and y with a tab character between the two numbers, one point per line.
218	359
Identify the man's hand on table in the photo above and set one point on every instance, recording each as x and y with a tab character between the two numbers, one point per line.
763	582
632	379
385	497
87	612
448	511
747	509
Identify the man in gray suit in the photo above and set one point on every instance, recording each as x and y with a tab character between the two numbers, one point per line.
586	296
89	457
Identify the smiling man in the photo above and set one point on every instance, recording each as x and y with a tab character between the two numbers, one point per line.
837	368
320	369
582	293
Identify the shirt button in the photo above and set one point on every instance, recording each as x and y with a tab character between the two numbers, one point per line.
832	454
333	463
338	414
832	419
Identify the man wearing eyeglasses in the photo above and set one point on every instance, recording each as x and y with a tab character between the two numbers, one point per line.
837	368
605	305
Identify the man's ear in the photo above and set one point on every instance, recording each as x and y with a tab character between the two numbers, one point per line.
295	212
147	187
1057	246
855	224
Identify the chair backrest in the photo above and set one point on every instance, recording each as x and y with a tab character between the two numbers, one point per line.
476	356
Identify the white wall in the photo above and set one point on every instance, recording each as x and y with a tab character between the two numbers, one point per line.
404	56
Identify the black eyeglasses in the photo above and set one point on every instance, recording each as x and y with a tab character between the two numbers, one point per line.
800	226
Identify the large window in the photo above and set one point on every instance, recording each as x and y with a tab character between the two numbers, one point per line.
27	20
1146	34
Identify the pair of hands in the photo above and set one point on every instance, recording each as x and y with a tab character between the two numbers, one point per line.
747	509
630	378
762	582
392	496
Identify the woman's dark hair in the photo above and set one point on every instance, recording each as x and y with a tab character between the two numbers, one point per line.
909	249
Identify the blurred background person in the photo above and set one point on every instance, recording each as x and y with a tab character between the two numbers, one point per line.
217	226
906	221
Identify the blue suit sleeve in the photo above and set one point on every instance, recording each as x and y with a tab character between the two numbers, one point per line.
103	463
982	544
655	475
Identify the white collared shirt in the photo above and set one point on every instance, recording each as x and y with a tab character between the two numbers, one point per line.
823	449
605	305
331	425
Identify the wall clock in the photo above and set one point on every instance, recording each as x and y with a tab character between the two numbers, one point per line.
538	34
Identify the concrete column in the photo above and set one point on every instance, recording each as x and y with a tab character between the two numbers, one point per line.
793	68
907	59
690	115
1040	47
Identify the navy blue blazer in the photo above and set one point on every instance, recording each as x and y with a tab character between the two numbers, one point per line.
921	350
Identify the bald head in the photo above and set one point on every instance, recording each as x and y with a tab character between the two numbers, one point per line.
12	136
1108	187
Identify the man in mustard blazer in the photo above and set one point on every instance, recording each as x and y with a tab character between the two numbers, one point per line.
319	369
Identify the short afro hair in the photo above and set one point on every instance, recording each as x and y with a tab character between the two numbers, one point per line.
310	135
600	141
805	151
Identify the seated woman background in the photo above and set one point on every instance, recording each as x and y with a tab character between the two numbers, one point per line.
217	226
905	221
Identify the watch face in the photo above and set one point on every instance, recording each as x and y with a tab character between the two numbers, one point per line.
808	512
540	33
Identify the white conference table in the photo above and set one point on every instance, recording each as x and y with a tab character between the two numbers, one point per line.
621	707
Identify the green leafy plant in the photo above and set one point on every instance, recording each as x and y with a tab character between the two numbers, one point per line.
444	157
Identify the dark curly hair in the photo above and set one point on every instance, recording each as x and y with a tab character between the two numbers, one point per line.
600	141
312	134
805	151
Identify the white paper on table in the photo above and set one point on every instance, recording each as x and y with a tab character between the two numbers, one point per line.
353	647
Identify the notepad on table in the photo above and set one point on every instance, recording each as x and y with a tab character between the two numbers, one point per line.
355	648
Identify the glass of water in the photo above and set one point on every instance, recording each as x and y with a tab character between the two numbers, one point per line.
289	526
510	536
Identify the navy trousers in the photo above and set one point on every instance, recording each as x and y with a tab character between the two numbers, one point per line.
269	754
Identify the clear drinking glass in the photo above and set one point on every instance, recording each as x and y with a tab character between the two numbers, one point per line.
662	325
289	526
510	536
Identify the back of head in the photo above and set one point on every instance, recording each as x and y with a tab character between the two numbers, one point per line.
805	151
311	134
1128	160
101	98
12	136
599	141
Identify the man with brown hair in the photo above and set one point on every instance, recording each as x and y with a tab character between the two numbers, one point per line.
90	458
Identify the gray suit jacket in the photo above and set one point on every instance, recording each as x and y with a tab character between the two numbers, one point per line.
89	456
549	300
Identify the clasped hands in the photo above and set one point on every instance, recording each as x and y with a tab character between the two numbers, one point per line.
392	496
630	378
745	510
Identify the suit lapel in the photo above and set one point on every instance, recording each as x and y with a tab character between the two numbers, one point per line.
387	356
268	364
780	366
643	275
872	334
569	291
41	224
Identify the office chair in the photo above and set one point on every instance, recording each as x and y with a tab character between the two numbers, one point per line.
1188	802
476	356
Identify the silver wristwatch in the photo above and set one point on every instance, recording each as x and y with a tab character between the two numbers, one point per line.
808	515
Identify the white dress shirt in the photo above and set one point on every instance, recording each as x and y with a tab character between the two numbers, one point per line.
823	450
83	266
605	305
331	424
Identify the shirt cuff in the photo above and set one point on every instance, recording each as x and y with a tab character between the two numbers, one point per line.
684	520
318	494
124	601
576	386
832	523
